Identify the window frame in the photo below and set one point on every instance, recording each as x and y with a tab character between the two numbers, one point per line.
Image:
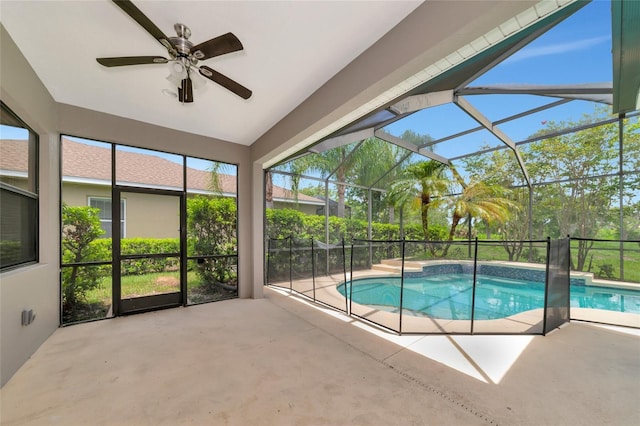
31	194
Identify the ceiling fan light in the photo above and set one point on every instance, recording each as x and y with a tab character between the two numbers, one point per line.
178	70
177	67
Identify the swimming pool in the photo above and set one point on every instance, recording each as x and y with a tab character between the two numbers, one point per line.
449	296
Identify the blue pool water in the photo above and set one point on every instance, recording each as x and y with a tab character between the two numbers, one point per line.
448	296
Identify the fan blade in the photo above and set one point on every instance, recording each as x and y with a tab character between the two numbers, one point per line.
137	15
225	82
185	92
131	60
221	45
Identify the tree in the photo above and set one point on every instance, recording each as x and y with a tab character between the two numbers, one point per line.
429	183
578	170
377	162
80	227
268	189
501	168
424	183
479	200
338	160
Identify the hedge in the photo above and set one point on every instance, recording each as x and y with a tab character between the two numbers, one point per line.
147	246
282	223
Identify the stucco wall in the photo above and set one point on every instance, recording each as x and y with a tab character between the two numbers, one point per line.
146	216
36	286
304	208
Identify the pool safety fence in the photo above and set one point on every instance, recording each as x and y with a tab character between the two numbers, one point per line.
383	282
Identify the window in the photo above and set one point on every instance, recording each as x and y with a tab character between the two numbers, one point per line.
18	191
104	205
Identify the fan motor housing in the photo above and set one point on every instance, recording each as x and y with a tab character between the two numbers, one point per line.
182	45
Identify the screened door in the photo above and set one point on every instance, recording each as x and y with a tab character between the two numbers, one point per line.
148	264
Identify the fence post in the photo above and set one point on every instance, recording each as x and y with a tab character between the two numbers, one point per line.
473	288
546	288
344	271
350	298
401	285
268	260
290	263
313	270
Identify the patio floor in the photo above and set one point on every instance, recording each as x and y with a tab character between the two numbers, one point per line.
280	361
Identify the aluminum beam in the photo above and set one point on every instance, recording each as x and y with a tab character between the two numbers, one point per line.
342	140
541	90
463	104
411	147
418	102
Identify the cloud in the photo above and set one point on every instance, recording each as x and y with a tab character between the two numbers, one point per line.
557	49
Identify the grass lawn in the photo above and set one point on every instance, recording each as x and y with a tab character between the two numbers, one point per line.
143	285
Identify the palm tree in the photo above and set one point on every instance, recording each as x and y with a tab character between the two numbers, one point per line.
268	189
480	200
378	163
344	162
341	160
427	178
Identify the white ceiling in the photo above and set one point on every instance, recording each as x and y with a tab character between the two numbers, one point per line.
291	48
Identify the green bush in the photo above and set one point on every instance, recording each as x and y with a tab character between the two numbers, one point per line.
142	246
149	246
211	229
282	223
80	228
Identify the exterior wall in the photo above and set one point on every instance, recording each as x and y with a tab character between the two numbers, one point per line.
151	216
75	194
146	216
138	223
35	286
304	208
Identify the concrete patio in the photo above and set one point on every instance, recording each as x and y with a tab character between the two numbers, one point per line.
280	360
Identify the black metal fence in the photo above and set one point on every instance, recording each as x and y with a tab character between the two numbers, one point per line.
435	287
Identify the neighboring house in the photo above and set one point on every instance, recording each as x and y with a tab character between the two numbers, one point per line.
333	208
86	180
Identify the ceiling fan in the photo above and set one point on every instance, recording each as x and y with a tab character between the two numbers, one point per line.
183	55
